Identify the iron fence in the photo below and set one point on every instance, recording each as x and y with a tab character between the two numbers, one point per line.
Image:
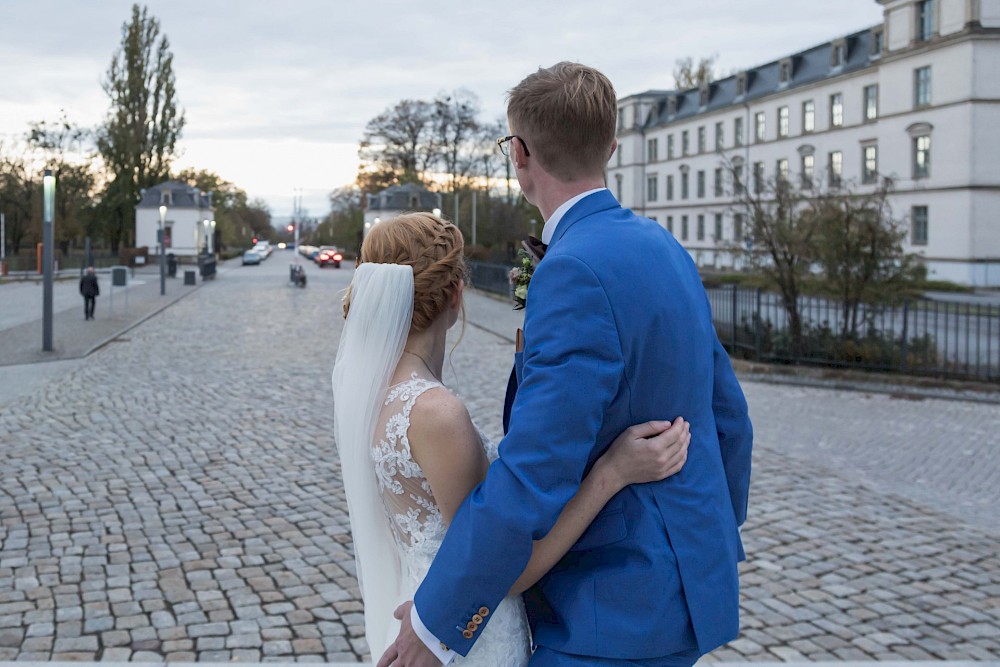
919	337
493	278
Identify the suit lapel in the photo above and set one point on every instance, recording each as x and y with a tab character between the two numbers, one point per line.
595	203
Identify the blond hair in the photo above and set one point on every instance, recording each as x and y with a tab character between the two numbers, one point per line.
566	114
433	247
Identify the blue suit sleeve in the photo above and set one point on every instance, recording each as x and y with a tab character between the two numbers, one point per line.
573	367
732	421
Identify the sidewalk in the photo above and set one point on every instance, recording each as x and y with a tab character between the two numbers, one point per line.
118	310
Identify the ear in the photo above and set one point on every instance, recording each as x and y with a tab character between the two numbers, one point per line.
517	153
614	147
456	299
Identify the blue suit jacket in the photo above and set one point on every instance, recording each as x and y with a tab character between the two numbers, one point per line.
618	331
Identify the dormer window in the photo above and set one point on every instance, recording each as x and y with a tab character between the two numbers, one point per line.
671	105
414	201
785	70
742	79
165	198
705	94
878	42
838	53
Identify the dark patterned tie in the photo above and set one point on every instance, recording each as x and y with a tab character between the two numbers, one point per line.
535	249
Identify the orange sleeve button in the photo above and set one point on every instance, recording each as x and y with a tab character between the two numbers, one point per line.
467	634
484	611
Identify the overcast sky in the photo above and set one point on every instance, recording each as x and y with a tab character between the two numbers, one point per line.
277	94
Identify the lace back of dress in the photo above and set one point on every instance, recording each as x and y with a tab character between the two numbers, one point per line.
406	494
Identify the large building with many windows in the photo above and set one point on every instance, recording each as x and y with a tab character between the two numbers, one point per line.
915	99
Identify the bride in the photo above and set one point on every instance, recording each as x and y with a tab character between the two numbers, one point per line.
409	450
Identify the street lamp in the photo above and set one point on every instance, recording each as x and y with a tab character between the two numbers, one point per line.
48	238
212	225
163	253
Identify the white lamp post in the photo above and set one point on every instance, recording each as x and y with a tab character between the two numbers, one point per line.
163	252
48	238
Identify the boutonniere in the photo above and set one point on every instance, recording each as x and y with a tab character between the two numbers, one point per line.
528	257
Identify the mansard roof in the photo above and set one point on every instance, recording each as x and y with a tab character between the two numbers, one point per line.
807	67
182	195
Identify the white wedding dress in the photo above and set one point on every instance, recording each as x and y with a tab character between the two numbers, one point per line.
418	527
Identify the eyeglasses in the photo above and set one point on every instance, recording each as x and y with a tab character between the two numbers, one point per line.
505	148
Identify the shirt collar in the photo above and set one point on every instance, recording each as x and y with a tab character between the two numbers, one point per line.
550	225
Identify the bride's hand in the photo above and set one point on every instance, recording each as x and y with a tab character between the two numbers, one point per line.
647	452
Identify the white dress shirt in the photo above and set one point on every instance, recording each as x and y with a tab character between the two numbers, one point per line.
436	647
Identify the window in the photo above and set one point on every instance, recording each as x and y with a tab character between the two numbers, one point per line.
718	136
760	126
718	182
836	110
836	168
783	122
701	184
808	169
652	150
871	102
701	139
670	224
922	87
670	147
651	182
685	144
741	84
869	168
918	218
781	170
671	105
878	42
670	187
785	71
737	177
704	95
838	54
808	116
701	228
738	227
618	187
718	227
684	228
738	132
925	20
684	184
758	177
922	156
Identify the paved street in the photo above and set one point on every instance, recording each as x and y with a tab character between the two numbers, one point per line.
176	495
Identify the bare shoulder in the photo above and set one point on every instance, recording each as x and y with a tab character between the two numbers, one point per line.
440	422
438	412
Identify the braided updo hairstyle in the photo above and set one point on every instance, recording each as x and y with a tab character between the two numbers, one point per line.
433	247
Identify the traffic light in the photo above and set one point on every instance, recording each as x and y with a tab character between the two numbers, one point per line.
255	240
291	228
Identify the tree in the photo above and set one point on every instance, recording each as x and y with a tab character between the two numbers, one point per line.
229	202
401	140
688	75
57	143
782	243
138	139
859	246
342	226
456	127
20	195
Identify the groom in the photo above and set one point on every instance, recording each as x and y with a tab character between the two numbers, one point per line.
617	330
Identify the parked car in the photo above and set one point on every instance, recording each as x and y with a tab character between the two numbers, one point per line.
264	249
329	255
251	257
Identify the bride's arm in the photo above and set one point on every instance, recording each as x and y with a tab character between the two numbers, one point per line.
642	453
445	445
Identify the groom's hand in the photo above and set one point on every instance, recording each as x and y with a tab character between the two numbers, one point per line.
407	650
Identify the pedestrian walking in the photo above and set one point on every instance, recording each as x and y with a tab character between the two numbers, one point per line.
90	291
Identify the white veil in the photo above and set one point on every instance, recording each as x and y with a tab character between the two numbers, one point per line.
370	347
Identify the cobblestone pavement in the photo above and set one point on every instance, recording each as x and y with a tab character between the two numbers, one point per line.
177	496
